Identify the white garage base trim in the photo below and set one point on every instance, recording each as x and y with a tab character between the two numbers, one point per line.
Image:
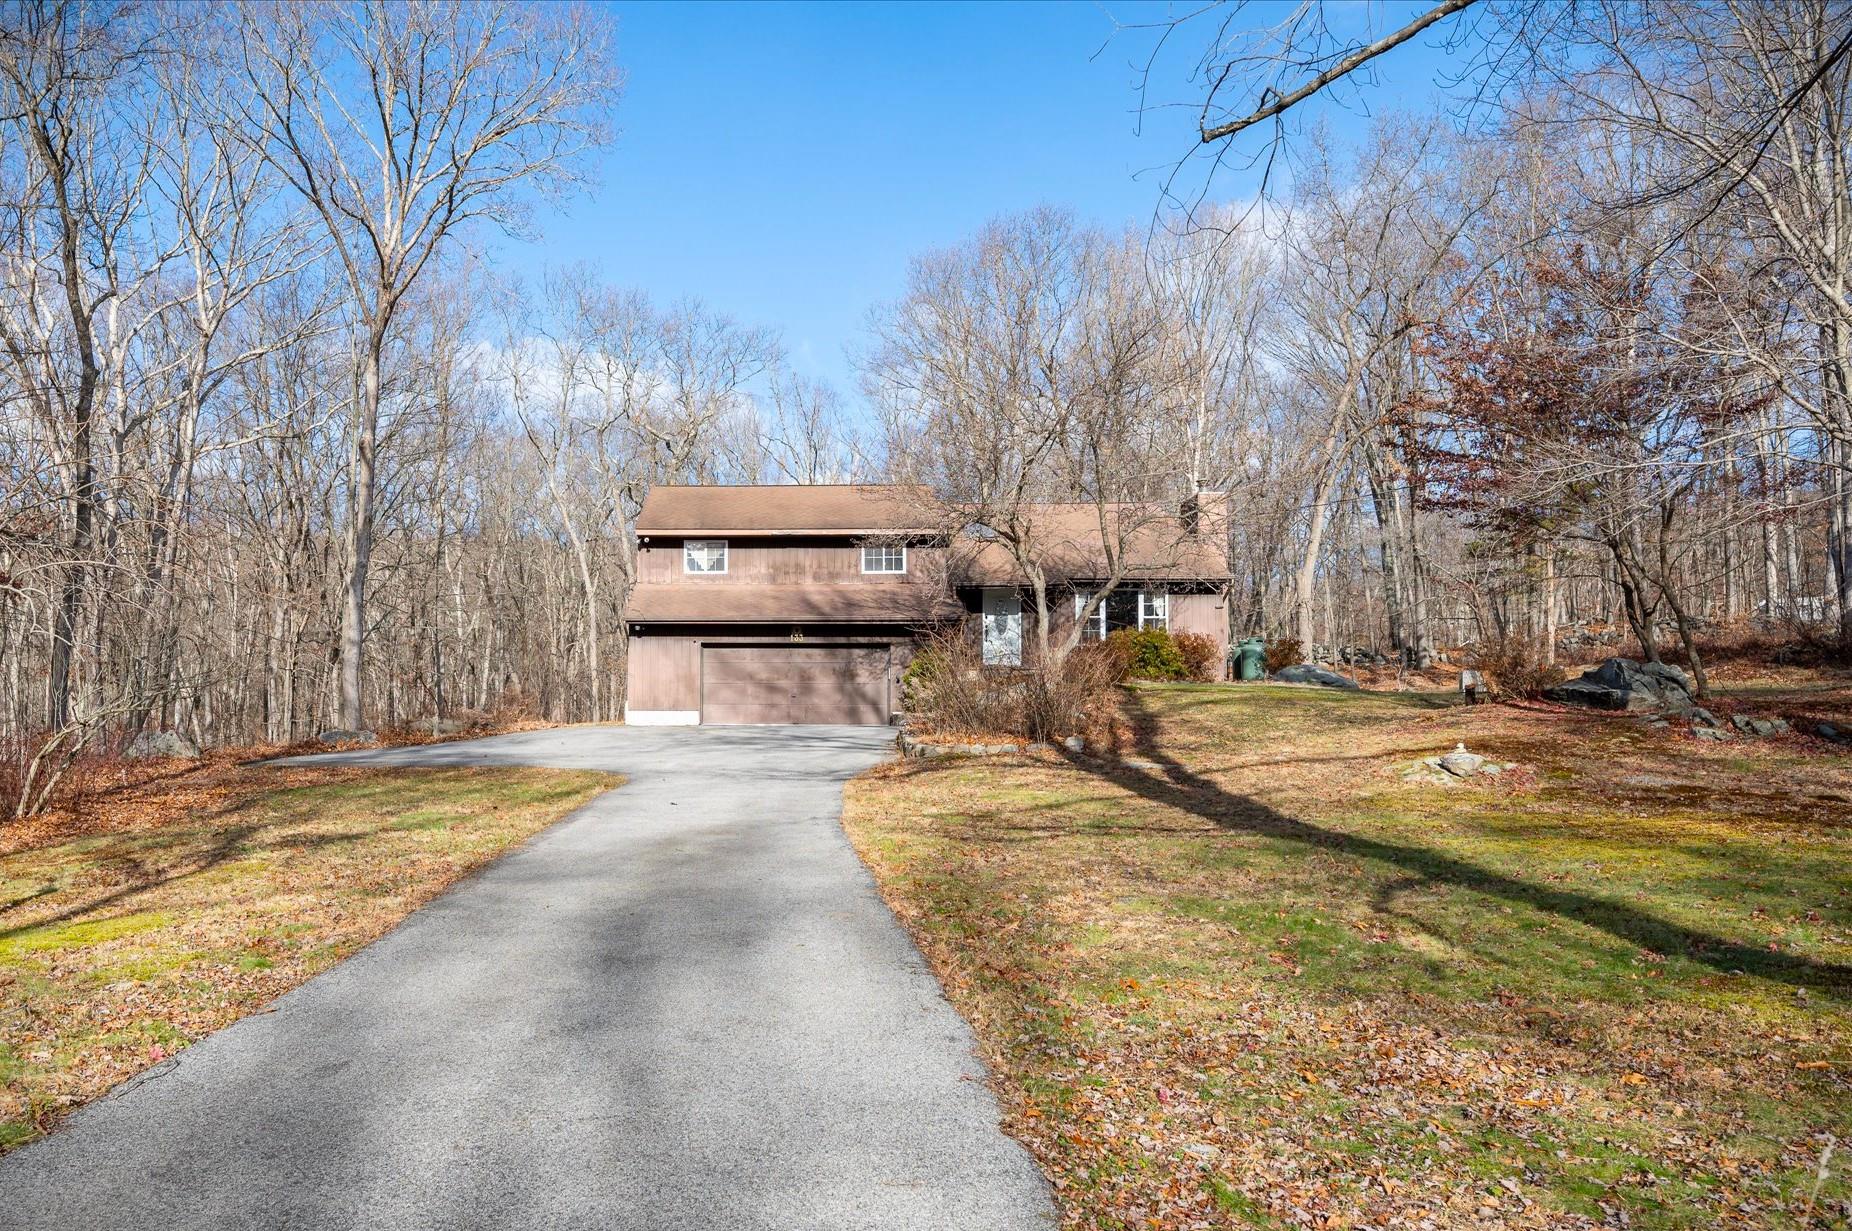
662	718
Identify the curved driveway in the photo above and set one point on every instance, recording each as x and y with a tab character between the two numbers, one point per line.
682	1007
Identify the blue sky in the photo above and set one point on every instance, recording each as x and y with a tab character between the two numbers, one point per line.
782	162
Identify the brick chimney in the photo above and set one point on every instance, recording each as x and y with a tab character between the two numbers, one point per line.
1205	514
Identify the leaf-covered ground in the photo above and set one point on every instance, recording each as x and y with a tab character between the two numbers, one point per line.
1250	977
183	902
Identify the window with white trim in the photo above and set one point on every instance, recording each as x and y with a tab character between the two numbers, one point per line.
884	557
1123	608
704	556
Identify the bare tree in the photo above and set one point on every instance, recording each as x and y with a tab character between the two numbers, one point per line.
458	107
1368	251
1018	373
1749	107
74	188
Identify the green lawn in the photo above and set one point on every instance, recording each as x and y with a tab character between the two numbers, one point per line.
1270	982
209	895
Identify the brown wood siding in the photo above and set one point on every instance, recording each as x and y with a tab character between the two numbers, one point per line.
664	673
786	562
794	683
1206	614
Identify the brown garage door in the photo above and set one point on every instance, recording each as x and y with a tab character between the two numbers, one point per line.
794	683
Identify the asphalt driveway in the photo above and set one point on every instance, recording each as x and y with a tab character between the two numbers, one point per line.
683	1007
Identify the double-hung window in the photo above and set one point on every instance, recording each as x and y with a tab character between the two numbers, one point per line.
704	556
884	557
1123	608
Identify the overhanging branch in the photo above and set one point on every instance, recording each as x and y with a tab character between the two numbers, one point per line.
1349	64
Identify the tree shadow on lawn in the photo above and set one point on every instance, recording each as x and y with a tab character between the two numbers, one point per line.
1175	786
226	844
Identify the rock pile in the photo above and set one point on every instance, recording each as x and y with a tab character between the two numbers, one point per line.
1452	767
1662	694
1627	684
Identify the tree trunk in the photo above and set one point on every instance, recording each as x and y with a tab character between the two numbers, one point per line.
359	545
1307	577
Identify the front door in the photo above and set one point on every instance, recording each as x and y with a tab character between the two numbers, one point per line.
1002	628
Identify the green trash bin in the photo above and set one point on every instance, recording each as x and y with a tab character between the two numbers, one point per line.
1251	659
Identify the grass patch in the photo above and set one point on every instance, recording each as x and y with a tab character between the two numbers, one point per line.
119	948
1271	983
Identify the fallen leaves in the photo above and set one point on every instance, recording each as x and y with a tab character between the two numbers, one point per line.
1195	1027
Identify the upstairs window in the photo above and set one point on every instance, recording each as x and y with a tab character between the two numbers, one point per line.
884	558
1124	608
704	556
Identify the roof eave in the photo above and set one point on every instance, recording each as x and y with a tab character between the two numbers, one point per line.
761	532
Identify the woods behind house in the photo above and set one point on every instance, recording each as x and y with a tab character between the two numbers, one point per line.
281	449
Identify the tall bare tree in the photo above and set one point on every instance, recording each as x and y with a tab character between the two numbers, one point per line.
1019	370
399	124
73	187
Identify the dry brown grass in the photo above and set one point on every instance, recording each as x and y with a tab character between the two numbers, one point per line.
1268	983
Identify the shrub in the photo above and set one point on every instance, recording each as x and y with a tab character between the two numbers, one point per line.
927	666
1147	653
1283	653
1202	658
512	707
1514	668
952	693
43	768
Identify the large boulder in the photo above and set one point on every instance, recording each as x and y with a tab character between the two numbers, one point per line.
152	744
1306	673
1627	684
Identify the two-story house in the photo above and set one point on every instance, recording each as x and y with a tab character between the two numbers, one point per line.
803	604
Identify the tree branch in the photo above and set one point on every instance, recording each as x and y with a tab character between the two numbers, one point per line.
1349	64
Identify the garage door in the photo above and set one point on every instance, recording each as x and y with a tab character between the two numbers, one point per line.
794	683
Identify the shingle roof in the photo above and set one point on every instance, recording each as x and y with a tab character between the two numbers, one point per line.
713	602
1068	542
787	509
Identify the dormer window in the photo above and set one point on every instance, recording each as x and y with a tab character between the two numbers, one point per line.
704	556
884	558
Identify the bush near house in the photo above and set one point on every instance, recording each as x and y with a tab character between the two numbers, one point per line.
1284	652
1159	654
948	691
1202	658
1147	654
